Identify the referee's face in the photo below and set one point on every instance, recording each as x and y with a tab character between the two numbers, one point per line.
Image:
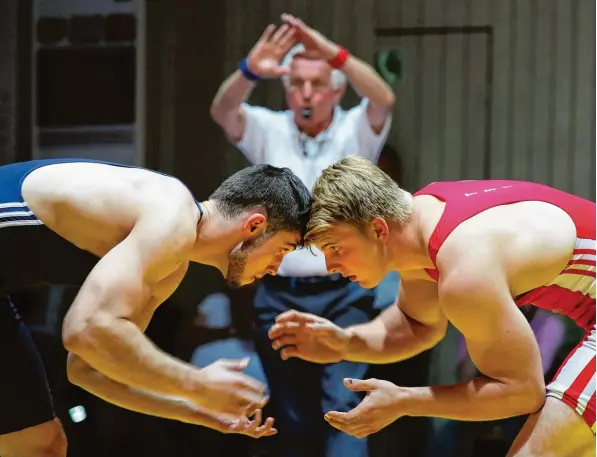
310	91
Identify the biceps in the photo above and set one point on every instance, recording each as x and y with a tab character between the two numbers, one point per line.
115	288
508	351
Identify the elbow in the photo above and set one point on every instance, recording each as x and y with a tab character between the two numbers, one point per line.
218	114
437	333
215	112
534	397
76	370
84	337
389	100
528	397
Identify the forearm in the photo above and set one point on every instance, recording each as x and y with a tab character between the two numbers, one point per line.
374	342
118	349
231	94
481	399
367	83
138	400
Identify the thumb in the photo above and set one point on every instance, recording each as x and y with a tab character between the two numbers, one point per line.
281	71
235	364
359	385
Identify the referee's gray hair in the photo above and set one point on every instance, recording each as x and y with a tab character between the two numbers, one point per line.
338	77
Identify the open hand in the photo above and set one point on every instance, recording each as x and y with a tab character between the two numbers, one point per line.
383	405
222	387
308	337
265	57
311	38
250	427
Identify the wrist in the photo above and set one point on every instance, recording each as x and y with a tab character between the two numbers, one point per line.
351	344
191	383
409	401
247	72
339	57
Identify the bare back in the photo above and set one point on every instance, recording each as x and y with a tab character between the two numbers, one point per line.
95	206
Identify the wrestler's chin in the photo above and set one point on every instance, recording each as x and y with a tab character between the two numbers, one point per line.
365	282
248	280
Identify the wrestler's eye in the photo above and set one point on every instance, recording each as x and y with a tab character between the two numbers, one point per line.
336	249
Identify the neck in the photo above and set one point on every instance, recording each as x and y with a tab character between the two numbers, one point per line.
408	245
216	237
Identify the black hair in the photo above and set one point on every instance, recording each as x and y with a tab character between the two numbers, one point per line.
283	195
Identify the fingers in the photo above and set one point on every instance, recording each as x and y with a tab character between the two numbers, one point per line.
285	340
358	431
256	430
290	19
267	33
252	409
338	417
288	39
354	425
297	317
360	385
288	352
234	364
278	330
280	33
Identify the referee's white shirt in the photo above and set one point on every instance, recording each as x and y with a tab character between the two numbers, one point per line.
272	137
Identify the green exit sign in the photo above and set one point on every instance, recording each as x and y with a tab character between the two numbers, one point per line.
389	65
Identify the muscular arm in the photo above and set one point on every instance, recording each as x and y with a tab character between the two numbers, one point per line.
226	108
100	327
476	299
403	331
81	374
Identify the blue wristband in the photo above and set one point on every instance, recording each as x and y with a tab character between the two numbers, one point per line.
244	68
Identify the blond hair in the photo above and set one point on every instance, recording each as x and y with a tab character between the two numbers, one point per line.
355	191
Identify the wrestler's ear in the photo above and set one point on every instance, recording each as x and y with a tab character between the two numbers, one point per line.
255	225
379	229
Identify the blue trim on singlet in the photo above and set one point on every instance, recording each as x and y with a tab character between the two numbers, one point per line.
14	211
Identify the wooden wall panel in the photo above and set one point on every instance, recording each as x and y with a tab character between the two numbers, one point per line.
539	103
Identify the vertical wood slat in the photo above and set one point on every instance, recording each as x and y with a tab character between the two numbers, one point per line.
429	88
584	147
388	13
409	101
481	67
501	100
540	63
454	124
562	21
520	89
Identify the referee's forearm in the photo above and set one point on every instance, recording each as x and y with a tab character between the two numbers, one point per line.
233	92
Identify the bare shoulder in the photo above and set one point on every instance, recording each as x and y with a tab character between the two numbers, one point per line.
168	219
419	299
513	241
